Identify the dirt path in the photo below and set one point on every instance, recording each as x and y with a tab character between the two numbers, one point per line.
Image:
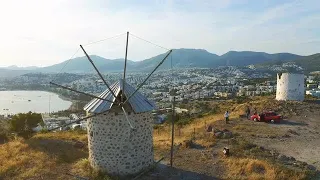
301	138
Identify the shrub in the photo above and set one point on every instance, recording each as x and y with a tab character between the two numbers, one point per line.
23	123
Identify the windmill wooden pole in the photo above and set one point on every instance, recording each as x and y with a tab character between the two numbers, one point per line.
140	85
125	67
100	75
87	94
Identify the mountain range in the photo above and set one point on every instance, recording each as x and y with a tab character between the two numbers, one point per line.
181	58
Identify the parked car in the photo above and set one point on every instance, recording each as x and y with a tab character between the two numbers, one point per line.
267	117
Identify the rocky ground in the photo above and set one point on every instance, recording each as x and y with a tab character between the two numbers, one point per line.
293	144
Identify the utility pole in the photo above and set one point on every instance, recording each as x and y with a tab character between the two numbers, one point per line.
172	130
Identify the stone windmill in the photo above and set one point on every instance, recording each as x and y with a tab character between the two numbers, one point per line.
119	124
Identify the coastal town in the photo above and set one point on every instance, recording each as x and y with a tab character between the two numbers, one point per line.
189	85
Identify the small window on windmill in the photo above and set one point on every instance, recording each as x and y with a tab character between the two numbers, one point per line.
116	114
129	113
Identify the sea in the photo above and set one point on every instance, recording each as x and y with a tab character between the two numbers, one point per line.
13	102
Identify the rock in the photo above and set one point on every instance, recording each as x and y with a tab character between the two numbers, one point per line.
209	128
310	167
286	136
216	130
293	132
218	134
227	134
188	143
78	144
292	158
283	158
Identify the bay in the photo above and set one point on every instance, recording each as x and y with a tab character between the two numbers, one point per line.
12	102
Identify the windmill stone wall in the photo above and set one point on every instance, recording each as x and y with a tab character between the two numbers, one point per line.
115	148
290	86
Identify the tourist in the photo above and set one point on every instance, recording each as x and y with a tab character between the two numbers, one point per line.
248	112
226	115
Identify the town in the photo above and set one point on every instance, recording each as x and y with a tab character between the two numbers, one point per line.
194	84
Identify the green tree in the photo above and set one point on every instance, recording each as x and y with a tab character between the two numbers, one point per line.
23	123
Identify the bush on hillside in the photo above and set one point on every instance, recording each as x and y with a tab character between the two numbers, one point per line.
23	123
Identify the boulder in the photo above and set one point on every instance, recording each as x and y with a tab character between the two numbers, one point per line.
310	167
218	134
283	158
227	134
78	144
188	143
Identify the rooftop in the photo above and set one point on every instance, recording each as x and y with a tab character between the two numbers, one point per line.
138	102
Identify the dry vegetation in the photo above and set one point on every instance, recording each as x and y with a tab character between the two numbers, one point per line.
53	155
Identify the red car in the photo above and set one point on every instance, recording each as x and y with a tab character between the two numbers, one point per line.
267	117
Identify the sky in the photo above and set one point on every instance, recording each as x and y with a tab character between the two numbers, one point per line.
43	32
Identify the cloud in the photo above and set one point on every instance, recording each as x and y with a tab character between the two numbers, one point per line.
41	33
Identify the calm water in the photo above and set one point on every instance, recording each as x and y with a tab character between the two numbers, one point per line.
12	102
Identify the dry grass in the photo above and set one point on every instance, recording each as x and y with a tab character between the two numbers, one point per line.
44	156
20	161
52	155
194	130
245	168
64	135
82	168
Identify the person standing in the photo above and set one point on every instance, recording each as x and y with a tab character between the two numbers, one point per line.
226	116
248	112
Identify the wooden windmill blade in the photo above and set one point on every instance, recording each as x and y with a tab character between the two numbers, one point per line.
100	75
140	85
123	84
79	120
125	67
80	92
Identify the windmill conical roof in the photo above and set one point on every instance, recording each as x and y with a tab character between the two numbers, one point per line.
138	102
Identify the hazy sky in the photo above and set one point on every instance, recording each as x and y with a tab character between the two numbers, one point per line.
45	32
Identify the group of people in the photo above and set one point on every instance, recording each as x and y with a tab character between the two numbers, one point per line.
248	113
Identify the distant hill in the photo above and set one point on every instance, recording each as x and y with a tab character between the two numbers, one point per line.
308	63
82	65
12	73
14	67
244	58
181	58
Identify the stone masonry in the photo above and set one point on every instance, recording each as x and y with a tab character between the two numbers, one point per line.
116	148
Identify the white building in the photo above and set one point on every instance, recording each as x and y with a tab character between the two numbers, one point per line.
290	86
120	142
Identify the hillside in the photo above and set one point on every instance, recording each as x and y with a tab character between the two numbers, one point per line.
12	73
244	58
181	58
82	65
258	150
310	63
14	67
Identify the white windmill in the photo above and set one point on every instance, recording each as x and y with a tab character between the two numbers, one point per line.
119	125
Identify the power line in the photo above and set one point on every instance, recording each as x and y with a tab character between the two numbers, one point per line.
65	64
113	37
149	42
